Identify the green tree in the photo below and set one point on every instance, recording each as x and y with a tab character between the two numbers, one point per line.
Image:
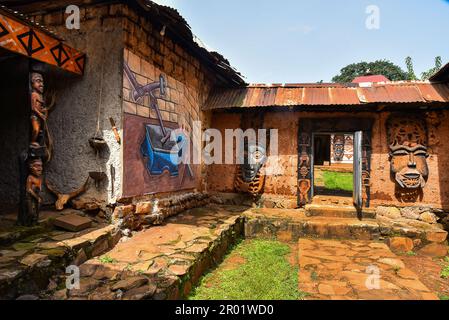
383	67
427	74
410	69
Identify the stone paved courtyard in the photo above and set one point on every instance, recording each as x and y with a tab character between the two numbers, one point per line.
166	261
356	270
162	262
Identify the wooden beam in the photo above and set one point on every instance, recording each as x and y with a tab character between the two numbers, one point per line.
20	37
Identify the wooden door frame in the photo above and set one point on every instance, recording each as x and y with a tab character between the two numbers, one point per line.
308	127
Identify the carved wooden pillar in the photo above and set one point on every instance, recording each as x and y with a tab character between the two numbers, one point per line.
32	161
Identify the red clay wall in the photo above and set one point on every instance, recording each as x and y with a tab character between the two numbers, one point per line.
436	193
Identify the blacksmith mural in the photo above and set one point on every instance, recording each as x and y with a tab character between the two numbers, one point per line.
158	124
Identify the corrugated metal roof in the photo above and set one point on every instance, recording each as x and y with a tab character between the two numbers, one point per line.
328	95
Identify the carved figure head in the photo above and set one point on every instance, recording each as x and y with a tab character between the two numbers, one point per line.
36	167
407	138
339	147
37	82
255	157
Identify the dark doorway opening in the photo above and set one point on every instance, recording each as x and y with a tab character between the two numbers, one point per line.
14	127
322	150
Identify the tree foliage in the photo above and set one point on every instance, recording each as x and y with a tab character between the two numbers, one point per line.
410	69
429	73
383	67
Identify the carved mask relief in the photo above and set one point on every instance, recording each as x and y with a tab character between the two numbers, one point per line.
407	138
255	157
339	147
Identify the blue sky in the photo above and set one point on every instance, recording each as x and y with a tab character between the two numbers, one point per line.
287	41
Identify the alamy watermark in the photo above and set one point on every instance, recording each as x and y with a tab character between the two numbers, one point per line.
72	281
73	20
373	280
212	146
372	22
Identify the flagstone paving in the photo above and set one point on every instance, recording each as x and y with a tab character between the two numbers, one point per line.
356	270
162	262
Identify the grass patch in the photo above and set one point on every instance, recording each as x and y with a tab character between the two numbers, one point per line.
266	274
338	180
107	260
445	272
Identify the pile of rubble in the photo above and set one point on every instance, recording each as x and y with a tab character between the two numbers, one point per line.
412	228
137	215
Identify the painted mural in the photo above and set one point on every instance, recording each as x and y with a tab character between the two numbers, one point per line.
158	125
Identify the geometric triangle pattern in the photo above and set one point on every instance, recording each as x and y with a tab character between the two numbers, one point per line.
3	30
30	41
22	38
81	61
59	54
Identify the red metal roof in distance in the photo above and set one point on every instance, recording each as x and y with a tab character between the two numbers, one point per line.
372	78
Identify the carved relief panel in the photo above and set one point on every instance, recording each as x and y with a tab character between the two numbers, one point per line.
408	144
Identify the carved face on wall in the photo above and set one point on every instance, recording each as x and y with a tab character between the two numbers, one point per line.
408	151
255	157
37	82
339	147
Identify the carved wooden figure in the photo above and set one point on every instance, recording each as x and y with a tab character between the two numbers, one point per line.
39	112
33	190
39	151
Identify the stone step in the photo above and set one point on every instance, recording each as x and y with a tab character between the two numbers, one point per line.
340	211
290	225
290	230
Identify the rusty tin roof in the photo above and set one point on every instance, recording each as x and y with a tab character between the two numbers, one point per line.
328	95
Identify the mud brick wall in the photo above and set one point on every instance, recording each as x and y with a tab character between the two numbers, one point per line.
284	185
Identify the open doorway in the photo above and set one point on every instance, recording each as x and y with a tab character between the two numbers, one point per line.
340	145
333	155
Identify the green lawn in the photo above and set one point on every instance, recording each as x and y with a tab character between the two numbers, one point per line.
338	180
264	274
